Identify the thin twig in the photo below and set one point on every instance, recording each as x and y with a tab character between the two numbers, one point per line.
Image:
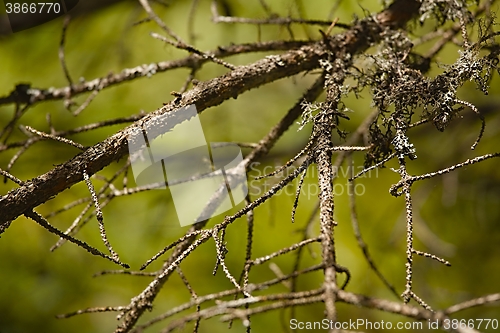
55	138
66	21
11	177
473	303
99	215
44	223
192	49
361	243
284	21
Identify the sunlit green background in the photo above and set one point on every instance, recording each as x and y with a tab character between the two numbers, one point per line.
456	216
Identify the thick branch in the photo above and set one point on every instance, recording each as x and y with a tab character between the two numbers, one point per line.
204	95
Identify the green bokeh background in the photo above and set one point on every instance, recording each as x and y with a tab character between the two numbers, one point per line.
456	216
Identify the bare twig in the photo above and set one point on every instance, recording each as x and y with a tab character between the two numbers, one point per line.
62	59
55	138
44	223
361	243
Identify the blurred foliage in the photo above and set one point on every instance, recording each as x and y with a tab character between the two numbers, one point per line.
456	215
